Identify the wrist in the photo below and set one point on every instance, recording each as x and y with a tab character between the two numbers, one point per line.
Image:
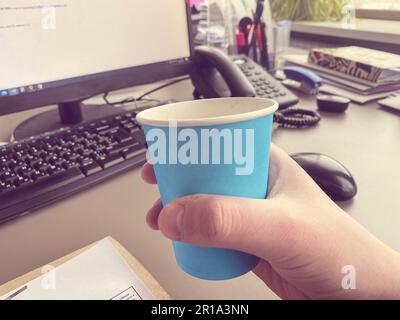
390	276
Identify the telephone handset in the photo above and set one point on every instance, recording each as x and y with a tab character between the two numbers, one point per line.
216	75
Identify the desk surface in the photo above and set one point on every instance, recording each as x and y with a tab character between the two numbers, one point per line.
365	139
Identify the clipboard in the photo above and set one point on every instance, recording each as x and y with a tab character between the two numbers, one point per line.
152	285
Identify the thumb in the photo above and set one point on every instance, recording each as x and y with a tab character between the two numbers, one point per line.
259	227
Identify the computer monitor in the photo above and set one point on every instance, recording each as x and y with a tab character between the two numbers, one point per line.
66	51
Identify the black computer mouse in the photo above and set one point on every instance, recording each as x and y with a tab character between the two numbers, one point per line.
331	176
329	103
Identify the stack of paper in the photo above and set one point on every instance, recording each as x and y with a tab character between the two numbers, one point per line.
358	90
362	63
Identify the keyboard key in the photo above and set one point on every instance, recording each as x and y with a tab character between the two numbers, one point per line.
115	148
38	175
90	168
7	175
133	152
24	170
134	130
107	129
110	161
122	136
18	181
129	126
8	186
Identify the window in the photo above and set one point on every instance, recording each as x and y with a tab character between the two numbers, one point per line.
378	9
378	4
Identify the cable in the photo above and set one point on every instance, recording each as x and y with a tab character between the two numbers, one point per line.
132	99
297	118
124	101
162	87
105	98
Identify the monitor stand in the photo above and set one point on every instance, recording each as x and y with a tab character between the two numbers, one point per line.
68	114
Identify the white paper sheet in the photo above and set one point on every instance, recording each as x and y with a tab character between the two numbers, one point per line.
359	98
100	273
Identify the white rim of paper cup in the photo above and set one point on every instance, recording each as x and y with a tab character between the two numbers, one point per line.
221	111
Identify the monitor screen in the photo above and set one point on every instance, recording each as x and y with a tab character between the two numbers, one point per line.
87	47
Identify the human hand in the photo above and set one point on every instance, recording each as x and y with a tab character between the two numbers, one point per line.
303	238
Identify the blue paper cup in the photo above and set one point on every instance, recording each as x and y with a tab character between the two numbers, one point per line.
216	146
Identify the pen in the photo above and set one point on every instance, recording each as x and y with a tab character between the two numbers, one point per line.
257	16
254	46
259	37
13	295
264	49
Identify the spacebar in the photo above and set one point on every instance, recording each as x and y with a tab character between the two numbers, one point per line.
42	186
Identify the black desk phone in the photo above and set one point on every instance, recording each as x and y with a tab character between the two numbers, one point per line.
218	75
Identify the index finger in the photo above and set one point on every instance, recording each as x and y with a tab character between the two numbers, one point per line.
148	174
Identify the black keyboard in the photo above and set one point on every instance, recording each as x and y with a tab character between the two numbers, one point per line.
265	85
40	170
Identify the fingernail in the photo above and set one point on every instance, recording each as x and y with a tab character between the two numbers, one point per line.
152	215
173	216
156	204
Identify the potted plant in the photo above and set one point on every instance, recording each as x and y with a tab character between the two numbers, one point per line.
314	10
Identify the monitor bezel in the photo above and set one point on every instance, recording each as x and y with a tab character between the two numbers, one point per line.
85	88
